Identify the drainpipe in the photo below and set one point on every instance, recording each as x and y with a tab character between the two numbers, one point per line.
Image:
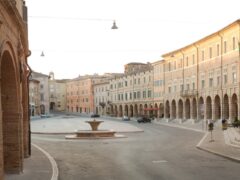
29	125
197	58
221	59
183	82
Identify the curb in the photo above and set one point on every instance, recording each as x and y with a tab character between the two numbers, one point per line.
181	127
198	146
55	172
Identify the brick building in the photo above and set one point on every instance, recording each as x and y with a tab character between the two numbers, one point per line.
14	119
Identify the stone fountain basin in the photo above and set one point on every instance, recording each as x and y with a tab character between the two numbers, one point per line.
88	134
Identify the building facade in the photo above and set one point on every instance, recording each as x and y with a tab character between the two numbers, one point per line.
43	90
14	119
201	80
80	94
57	93
34	97
101	98
132	94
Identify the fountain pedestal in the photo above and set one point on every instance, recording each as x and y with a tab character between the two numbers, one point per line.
94	124
94	133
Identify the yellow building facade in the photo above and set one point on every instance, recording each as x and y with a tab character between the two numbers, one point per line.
201	81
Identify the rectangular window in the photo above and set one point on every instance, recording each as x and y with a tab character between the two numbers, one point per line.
130	95
134	95
187	61
203	84
210	82
218	50
188	87
42	97
234	77
193	86
169	89
193	59
181	87
138	80
144	94
218	81
234	43
175	88
225	46
149	93
138	95
126	83
202	55
126	96
210	52
225	78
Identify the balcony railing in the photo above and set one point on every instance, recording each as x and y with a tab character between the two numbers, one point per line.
189	93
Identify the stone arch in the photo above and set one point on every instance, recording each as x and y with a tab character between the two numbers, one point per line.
120	111
135	110
167	110
225	107
201	108
187	109
217	107
145	107
11	120
155	110
126	111
180	109
141	109
116	110
42	109
194	108
161	110
209	108
131	110
173	112
234	105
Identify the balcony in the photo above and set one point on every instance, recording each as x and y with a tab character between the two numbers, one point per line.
189	93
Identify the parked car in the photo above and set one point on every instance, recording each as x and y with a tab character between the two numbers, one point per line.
143	120
126	118
95	115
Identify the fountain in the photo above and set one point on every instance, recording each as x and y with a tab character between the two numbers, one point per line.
94	133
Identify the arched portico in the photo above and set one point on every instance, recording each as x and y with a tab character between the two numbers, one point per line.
201	108
135	110
161	110
225	107
173	106
209	108
126	110
187	109
217	108
234	107
194	108
167	110
180	109
11	120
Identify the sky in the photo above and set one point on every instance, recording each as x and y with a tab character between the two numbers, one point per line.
77	39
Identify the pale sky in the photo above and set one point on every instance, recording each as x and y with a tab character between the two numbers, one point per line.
77	39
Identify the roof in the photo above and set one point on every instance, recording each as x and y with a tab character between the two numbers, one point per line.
203	39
